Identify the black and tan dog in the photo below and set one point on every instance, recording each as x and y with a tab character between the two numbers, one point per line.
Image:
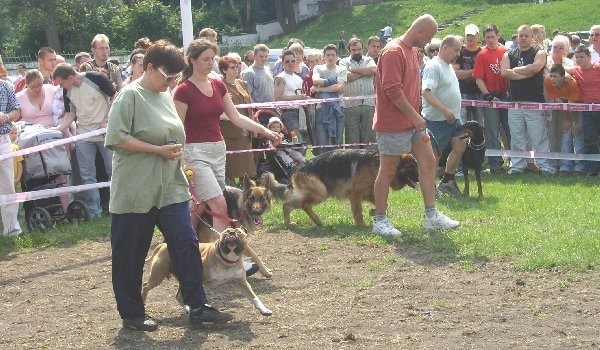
343	174
474	155
221	263
246	205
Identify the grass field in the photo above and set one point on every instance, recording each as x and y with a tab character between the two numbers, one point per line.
367	20
531	221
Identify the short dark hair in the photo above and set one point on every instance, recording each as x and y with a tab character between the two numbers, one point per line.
64	71
373	38
44	51
330	47
585	50
164	54
558	69
22	65
353	42
491	28
287	52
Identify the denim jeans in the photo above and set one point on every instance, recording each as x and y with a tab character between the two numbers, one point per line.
130	237
471	112
572	144
323	136
291	120
591	133
494	118
529	126
86	159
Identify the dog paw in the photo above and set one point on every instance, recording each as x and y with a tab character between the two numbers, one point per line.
266	312
267	273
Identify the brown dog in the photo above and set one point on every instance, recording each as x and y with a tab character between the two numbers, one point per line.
246	205
344	174
221	263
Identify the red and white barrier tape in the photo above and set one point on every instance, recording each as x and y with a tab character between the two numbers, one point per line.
533	106
298	103
51	144
541	155
52	192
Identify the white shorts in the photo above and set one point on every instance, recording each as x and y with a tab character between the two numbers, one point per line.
207	160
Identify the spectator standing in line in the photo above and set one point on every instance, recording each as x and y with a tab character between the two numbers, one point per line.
258	77
587	75
20	83
359	113
399	126
328	82
10	111
137	68
101	51
46	59
296	45
288	87
37	99
211	36
464	72
249	58
373	47
524	67
88	99
146	134
80	59
574	41
595	43
493	88
441	109
559	91
387	32
236	138
200	101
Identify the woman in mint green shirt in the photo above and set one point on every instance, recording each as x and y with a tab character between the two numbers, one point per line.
149	189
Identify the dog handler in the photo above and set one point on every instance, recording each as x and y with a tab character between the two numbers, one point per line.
149	190
399	127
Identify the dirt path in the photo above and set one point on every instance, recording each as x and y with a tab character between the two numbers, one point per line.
325	294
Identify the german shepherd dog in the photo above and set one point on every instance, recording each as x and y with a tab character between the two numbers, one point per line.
246	205
343	174
474	155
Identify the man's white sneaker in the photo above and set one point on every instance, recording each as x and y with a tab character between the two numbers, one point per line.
384	227
439	221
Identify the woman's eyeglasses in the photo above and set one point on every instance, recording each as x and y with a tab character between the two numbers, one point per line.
168	77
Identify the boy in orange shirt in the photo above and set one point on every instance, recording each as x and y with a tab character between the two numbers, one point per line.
560	90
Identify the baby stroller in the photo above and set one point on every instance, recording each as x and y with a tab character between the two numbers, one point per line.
40	172
269	161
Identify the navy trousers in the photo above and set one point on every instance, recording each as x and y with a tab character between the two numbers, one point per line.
131	235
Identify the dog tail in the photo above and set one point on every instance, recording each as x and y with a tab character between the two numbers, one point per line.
308	186
156	249
268	181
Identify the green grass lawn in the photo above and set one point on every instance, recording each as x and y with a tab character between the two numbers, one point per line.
530	221
367	20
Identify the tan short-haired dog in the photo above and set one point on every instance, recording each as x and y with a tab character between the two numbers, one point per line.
221	263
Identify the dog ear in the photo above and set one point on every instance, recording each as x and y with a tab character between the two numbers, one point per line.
247	183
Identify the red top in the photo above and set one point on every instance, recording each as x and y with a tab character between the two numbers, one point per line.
397	75
202	117
589	81
487	68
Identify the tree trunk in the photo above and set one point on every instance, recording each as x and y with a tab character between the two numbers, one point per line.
237	13
286	15
51	25
249	15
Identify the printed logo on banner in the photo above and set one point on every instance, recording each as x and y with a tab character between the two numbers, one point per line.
596	107
578	107
553	106
505	105
483	104
467	103
529	106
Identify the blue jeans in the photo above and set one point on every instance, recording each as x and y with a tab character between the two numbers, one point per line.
572	144
591	134
494	118
85	152
130	238
337	120
291	120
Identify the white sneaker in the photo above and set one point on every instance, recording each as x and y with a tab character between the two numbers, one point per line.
384	227
439	222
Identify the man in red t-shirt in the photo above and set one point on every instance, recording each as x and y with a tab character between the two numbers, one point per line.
400	128
493	88
587	75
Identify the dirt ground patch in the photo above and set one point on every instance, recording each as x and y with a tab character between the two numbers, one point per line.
325	294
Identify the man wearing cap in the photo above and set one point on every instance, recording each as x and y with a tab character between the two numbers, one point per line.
464	72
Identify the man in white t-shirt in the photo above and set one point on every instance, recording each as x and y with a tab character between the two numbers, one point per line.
288	87
441	109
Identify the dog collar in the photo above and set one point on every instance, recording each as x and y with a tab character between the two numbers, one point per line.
227	260
478	147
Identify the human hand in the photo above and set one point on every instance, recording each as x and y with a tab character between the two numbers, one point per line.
273	136
449	115
418	122
171	151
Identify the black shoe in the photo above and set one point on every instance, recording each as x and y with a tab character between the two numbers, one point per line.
140	324
208	314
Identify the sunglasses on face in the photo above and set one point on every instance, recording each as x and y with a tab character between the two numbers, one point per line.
168	77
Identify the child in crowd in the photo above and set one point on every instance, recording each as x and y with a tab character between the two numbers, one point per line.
18	169
560	91
289	157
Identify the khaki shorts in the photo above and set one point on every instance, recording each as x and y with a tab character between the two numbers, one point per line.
397	143
207	160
